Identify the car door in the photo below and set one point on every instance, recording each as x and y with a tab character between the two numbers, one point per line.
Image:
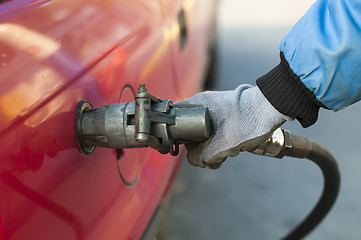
191	30
54	54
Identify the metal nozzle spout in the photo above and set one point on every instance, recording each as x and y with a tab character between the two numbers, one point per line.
149	121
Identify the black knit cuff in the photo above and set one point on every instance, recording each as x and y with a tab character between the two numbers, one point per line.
285	91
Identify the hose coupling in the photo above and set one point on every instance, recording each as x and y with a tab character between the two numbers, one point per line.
283	143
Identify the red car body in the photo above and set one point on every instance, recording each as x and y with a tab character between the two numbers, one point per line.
54	54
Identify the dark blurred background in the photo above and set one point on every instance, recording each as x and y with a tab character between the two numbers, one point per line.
252	197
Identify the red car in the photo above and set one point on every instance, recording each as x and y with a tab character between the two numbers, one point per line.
54	54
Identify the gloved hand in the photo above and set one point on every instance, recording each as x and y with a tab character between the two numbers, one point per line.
244	120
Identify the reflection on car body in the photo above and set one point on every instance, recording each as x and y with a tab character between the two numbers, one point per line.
54	54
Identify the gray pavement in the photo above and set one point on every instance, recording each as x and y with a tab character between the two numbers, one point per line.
252	197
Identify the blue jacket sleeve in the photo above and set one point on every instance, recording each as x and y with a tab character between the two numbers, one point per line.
320	62
324	50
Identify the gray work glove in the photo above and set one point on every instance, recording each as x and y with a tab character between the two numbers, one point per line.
244	120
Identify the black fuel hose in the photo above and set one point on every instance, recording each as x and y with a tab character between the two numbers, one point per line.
302	147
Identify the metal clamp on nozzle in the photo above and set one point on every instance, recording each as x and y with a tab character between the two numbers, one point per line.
149	121
274	145
283	143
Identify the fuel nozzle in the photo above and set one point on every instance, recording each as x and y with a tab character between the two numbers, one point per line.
147	122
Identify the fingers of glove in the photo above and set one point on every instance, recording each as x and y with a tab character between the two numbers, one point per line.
249	145
215	166
193	154
195	150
